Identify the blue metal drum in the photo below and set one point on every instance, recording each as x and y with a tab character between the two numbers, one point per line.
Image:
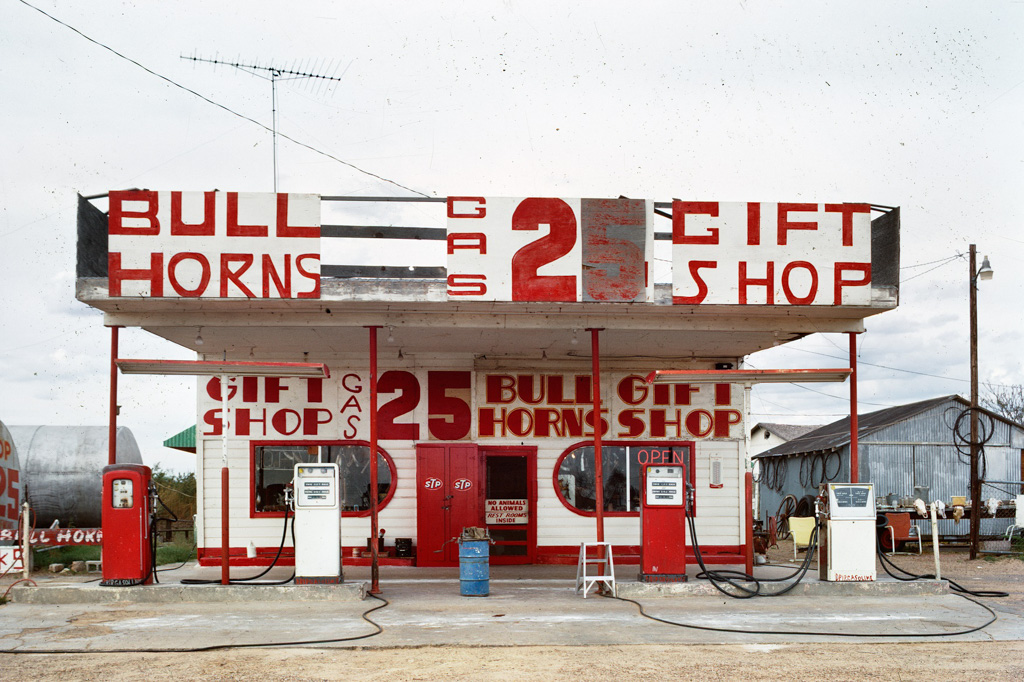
474	568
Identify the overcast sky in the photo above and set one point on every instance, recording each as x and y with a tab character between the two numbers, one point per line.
916	105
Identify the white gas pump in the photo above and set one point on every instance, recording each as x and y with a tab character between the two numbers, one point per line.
849	533
317	524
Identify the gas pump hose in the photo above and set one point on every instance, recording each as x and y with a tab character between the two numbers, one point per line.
248	581
736	579
377	629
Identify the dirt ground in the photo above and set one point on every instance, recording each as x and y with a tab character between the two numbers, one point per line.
906	661
946	659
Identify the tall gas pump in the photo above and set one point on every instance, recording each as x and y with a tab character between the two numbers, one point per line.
127	517
663	523
847	533
317	524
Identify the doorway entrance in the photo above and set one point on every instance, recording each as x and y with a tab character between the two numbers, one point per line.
460	485
510	482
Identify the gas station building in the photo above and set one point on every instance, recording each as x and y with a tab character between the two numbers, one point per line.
521	383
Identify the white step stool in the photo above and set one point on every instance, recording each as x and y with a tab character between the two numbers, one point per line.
585	579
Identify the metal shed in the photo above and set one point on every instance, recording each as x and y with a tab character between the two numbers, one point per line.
905	451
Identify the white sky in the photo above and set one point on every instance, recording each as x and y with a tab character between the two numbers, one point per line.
912	104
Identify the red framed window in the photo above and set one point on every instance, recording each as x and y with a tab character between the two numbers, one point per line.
575	482
272	466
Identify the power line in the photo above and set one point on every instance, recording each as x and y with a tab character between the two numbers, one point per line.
221	106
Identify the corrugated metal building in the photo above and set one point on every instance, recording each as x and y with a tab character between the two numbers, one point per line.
906	451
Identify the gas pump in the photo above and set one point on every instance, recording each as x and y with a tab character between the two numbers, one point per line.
317	524
127	519
847	524
663	523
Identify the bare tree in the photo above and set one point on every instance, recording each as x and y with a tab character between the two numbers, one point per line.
1007	401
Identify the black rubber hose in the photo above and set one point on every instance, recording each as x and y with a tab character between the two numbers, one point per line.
378	629
245	581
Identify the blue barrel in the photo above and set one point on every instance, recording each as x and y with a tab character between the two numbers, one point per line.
474	568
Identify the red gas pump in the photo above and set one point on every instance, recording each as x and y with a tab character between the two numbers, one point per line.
663	523
127	525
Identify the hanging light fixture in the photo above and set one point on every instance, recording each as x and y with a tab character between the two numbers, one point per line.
199	337
391	334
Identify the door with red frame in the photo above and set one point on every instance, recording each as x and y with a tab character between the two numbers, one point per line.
510	504
449	497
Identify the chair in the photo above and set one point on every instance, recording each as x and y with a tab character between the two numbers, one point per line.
801	528
1018	521
606	568
900	529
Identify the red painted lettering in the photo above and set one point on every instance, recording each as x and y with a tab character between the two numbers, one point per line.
527	285
501	388
205	228
118	214
236	230
154	274
234	276
812	289
467	285
768	282
286	230
284	288
724	419
840	282
681	209
753	223
847	210
204	273
632	389
474	241
448	396
785	224
309	274
700	423
478	211
695	266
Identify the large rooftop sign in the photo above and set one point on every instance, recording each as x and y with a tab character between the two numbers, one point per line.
231	245
214	245
553	249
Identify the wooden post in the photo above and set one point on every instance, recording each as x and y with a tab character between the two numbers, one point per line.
975	482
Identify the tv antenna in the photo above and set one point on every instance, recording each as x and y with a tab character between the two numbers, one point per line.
274	74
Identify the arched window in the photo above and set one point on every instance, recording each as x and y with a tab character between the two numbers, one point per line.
273	467
575	482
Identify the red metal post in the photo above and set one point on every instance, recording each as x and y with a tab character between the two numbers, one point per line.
225	541
112	431
374	549
749	551
598	466
854	465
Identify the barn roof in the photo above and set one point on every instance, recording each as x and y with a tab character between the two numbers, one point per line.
837	434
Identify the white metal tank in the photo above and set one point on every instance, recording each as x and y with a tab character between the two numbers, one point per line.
62	470
11	481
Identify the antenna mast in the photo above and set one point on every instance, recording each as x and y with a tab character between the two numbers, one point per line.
275	74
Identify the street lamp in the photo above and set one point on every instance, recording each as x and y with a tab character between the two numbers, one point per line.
984	272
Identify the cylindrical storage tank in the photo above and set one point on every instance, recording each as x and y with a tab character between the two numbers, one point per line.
11	481
62	470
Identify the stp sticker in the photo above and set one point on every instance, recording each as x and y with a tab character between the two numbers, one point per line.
432	483
463	484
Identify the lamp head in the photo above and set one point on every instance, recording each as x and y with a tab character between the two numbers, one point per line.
985	271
